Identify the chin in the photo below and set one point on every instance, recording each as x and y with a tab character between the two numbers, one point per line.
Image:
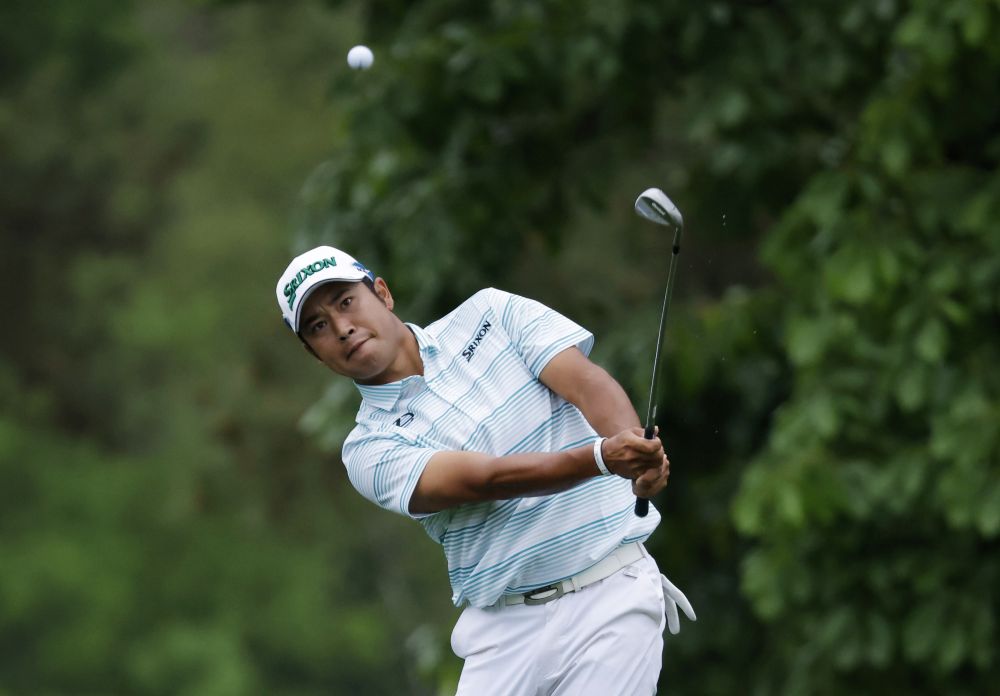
363	372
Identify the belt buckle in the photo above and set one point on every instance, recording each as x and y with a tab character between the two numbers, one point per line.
549	592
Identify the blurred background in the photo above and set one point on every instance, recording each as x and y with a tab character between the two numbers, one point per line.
174	515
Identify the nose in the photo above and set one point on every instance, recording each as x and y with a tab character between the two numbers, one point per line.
343	328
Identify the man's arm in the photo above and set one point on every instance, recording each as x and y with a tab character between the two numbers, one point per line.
604	404
454	478
601	400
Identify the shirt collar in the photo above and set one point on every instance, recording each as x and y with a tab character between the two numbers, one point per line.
428	343
385	396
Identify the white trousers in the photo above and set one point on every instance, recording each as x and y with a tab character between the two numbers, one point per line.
604	640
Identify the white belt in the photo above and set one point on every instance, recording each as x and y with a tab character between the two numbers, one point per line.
619	558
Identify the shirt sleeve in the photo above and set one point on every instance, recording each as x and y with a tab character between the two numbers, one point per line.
537	332
384	467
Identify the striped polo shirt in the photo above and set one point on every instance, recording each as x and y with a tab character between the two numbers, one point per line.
480	392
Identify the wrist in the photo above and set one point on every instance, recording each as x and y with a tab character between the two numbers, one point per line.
599	457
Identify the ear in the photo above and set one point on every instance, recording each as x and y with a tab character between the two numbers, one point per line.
382	290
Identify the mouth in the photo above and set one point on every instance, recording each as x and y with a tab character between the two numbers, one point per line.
353	349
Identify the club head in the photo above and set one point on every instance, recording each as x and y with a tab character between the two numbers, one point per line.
654	205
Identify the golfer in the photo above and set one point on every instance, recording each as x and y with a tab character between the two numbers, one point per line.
521	458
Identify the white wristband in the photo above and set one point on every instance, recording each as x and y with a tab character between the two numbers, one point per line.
599	457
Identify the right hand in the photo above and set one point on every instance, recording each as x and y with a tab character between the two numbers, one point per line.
653	481
630	455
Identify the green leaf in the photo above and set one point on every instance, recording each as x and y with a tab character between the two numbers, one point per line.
823	200
806	339
880	640
850	276
932	341
895	154
911	388
823	411
975	23
953	646
921	631
890	269
790	507
746	509
988	520
733	108
762	586
955	311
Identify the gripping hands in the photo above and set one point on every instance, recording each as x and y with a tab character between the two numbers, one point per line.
630	455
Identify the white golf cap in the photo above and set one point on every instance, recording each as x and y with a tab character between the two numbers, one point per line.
308	271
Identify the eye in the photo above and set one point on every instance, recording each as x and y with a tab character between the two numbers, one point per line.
346	302
316	327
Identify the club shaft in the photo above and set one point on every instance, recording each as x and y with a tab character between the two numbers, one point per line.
654	391
642	504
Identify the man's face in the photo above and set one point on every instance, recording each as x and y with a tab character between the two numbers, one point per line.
352	330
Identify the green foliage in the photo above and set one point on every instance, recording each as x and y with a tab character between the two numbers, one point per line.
830	130
834	504
875	502
134	589
89	41
470	122
165	528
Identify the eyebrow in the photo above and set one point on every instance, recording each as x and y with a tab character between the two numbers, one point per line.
333	297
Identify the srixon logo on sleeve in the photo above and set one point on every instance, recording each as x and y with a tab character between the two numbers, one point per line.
470	350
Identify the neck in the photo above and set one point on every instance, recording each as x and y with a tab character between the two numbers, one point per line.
406	363
409	354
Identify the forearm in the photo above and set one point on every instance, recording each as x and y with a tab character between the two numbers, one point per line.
455	478
458	477
537	473
604	403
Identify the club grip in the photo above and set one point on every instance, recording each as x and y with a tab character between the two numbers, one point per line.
642	504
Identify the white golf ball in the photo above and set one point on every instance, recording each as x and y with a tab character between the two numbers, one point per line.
360	58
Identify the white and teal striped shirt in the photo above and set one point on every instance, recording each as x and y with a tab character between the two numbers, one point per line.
480	392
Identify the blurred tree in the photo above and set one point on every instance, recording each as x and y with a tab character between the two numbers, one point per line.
488	140
163	528
63	155
877	500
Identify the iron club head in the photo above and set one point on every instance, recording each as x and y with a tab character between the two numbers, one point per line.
654	205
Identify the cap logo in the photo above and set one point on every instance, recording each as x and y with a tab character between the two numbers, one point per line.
292	286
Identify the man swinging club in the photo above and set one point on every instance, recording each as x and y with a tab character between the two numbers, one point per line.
518	455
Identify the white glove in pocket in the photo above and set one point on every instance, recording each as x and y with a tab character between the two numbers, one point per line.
672	598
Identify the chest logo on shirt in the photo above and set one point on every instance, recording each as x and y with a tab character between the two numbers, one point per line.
404	419
470	350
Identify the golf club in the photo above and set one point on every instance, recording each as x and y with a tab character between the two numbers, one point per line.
654	205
